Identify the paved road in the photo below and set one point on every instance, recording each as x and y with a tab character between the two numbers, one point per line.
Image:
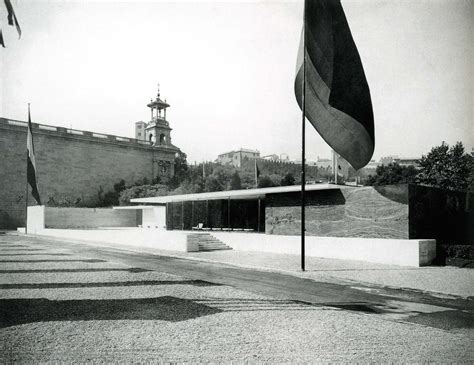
51	291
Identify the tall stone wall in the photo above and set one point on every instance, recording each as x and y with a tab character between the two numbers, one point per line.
345	212
72	164
268	167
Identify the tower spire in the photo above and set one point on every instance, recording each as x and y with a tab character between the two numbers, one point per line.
157	130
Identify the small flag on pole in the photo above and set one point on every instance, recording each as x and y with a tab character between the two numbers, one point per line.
12	20
31	172
337	98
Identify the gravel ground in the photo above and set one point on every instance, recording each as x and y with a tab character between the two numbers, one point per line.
447	280
136	317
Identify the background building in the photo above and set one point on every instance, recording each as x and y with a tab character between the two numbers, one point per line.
79	167
402	161
236	158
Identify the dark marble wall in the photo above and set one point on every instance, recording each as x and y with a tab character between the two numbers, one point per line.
445	215
344	212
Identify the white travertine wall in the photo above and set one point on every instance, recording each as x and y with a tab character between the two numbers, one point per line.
40	217
35	220
89	218
155	217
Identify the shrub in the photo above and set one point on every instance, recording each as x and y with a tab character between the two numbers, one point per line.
141	191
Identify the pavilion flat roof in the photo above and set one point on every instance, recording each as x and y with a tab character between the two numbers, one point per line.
129	207
235	194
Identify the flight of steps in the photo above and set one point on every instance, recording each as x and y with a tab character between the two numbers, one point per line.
207	242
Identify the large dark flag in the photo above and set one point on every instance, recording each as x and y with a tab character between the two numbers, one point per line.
337	98
31	174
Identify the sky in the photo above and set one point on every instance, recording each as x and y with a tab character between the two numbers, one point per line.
227	69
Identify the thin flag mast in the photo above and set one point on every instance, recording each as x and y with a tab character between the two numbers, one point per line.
256	173
303	151
26	180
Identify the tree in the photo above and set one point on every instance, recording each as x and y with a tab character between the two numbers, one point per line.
180	170
247	179
392	173
288	179
181	166
447	168
111	197
265	182
188	187
235	182
213	184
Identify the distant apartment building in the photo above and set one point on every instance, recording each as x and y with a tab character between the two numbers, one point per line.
272	157
340	165
324	163
235	158
402	161
371	167
284	157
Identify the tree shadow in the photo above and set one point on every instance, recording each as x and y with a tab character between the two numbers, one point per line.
133	270
105	284
15	312
35	254
10	249
40	260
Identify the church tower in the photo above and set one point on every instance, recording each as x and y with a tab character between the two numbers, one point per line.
158	130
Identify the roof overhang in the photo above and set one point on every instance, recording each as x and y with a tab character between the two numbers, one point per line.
249	194
134	207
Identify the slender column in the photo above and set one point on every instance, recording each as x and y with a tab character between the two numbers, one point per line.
207	213
258	216
192	214
182	215
228	213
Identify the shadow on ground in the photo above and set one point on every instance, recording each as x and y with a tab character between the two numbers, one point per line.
133	270
167	308
33	261
105	284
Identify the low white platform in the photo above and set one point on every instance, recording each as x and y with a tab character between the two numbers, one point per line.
132	236
416	252
413	253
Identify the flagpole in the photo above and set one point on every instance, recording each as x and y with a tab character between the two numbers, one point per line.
303	152
26	176
256	176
